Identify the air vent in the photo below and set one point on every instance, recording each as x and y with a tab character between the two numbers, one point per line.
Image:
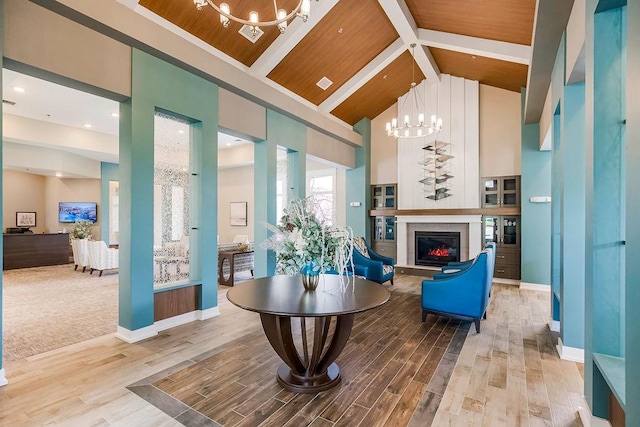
248	33
324	83
6	101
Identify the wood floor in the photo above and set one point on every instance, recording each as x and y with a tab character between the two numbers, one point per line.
390	363
507	375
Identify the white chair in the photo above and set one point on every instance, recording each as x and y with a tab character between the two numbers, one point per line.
101	257
80	249
241	238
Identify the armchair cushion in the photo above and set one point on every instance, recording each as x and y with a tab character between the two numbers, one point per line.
80	249
101	257
361	246
373	267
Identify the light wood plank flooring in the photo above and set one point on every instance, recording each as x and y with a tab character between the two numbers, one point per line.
507	375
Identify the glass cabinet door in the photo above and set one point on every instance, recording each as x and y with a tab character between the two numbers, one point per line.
389	228
510	191
490	229
510	230
491	192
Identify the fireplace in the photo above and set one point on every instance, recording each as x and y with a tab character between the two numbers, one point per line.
437	248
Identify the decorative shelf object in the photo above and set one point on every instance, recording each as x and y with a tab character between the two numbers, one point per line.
436	170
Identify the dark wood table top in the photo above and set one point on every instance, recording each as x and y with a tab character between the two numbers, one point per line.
285	296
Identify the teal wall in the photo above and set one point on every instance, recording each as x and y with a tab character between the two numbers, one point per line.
285	132
358	184
557	177
605	50
557	83
108	172
159	85
632	266
536	217
572	288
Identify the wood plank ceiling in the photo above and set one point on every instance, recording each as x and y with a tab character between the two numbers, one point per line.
363	46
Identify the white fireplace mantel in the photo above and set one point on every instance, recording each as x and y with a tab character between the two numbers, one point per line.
405	243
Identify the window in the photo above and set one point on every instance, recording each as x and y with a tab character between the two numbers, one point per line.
321	189
281	182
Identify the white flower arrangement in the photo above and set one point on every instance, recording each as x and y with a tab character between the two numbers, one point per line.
82	229
303	242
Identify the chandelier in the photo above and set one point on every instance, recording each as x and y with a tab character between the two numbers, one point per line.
413	125
281	15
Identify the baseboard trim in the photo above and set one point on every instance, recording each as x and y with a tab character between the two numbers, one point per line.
3	379
504	281
535	287
172	322
588	420
571	354
136	335
208	313
554	325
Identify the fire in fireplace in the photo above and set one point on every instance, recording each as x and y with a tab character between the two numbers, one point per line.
437	248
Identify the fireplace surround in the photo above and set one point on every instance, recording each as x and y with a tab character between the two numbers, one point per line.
469	227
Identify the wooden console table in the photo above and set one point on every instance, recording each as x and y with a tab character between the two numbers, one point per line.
35	250
229	257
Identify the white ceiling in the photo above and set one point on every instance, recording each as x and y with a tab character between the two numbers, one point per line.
51	102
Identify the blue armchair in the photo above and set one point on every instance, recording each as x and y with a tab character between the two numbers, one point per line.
454	267
462	295
369	264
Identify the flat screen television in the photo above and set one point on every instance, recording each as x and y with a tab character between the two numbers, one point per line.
74	211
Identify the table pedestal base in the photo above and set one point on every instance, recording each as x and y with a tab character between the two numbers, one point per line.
302	384
315	370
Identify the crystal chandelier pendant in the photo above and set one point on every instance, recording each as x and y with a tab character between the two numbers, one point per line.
413	125
281	16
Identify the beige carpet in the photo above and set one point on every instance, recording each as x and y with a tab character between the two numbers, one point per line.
51	307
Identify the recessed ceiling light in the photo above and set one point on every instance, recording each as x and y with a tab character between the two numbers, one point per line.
58	174
87	125
228	144
180	131
18	89
115	115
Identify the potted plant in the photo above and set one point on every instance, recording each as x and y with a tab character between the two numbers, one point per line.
81	229
305	244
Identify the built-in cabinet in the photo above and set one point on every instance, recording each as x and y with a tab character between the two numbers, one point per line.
384	196
505	232
500	191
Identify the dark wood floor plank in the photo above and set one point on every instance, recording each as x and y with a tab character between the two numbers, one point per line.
387	366
379	384
426	410
288	411
406	374
407	404
429	366
352	417
261	413
378	415
339	406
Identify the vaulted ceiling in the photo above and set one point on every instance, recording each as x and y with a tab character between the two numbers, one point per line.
363	46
